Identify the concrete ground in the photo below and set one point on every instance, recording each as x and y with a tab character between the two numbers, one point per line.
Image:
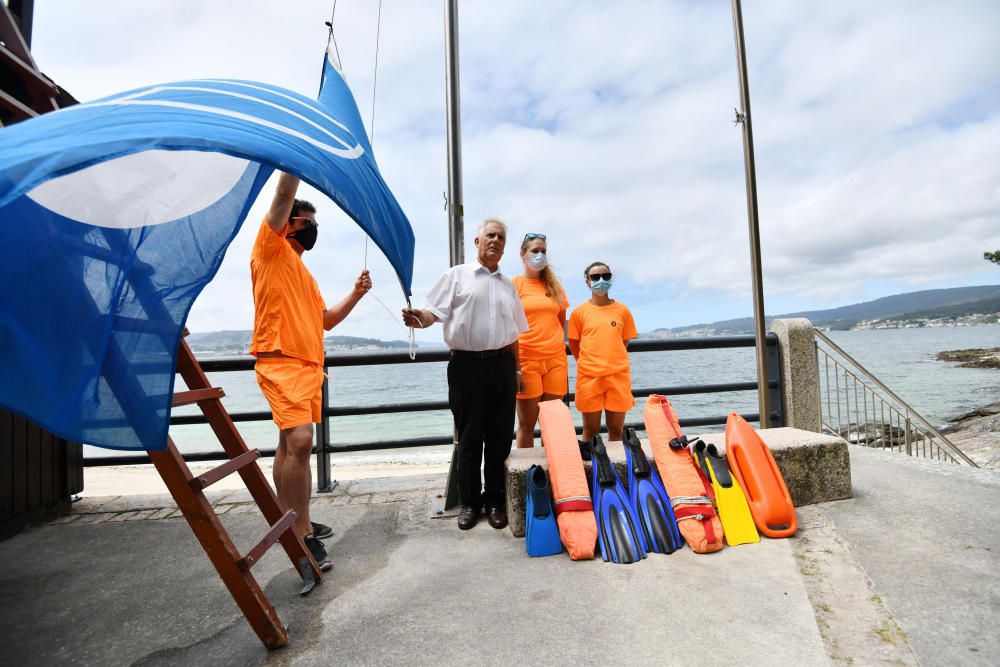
907	572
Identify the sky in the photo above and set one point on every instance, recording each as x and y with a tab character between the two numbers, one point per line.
609	128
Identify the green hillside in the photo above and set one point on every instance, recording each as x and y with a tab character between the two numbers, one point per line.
925	304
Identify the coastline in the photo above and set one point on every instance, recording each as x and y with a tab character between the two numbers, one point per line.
977	432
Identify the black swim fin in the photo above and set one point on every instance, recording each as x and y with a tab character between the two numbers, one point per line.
650	501
617	524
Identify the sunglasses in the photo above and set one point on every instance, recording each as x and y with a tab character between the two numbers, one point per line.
531	236
309	221
598	276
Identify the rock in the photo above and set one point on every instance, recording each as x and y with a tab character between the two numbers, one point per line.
974	358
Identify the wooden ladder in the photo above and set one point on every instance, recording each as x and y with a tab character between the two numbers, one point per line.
188	492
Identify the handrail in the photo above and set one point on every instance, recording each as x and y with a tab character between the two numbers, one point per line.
953	450
341	359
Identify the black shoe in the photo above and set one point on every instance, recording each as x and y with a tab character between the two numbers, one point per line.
468	515
321	531
318	552
584	450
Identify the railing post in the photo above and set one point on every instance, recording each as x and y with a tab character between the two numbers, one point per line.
800	395
324	479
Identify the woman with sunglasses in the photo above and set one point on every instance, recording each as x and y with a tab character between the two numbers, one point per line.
599	332
544	368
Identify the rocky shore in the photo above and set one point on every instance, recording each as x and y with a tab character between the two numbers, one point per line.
976	358
977	433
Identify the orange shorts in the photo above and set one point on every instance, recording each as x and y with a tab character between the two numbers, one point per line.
545	376
607	392
293	388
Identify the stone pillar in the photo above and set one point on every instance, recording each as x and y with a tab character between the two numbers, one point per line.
799	373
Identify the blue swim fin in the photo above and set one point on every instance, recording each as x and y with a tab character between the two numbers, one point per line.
541	535
650	500
617	535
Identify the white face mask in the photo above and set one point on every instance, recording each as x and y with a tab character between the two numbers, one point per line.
537	260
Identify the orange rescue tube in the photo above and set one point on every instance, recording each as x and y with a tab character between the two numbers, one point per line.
689	491
574	509
754	466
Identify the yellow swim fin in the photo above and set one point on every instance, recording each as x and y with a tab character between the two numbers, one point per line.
737	522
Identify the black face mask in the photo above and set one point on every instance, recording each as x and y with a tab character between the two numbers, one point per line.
306	236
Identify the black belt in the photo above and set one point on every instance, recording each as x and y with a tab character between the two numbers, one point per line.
479	354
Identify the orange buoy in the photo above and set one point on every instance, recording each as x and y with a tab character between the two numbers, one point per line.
573	507
754	466
689	490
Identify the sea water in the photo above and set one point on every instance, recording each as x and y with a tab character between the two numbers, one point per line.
903	359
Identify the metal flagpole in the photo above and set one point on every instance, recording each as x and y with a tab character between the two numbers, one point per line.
744	119
456	232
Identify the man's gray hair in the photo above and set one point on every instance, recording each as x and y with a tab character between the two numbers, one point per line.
496	221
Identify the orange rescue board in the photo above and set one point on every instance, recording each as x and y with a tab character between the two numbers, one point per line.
689	490
754	466
570	493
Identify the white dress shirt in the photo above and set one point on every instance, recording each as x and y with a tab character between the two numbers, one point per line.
478	309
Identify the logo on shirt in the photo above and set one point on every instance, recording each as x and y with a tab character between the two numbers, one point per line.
613	323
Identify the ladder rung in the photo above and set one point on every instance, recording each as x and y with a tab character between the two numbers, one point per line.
254	555
195	395
209	478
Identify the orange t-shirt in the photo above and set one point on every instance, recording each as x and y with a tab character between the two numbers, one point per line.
602	332
288	308
544	337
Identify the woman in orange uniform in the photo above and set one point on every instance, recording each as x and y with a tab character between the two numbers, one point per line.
542	350
599	331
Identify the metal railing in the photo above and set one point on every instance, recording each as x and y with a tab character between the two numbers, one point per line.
857	406
324	447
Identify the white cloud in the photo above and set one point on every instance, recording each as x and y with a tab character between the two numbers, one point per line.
609	127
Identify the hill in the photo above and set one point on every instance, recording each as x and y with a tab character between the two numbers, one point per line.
237	342
909	307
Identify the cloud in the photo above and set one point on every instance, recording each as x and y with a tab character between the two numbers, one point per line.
609	127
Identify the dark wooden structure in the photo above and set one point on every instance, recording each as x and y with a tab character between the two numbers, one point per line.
39	472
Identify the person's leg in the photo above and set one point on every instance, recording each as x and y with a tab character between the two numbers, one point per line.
502	380
465	390
616	424
279	461
527	417
295	485
591	425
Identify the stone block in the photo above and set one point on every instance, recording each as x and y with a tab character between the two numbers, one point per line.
799	373
816	468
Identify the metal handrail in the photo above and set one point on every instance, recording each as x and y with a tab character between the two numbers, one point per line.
324	447
864	376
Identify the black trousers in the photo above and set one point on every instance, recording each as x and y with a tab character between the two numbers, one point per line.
481	394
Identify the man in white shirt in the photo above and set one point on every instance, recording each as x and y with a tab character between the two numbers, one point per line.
482	318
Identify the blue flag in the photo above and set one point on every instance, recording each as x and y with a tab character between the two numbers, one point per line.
115	214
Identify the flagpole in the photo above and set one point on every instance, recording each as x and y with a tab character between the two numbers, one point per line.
744	119
453	114
456	232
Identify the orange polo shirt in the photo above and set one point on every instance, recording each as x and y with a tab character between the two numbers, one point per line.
544	337
602	332
288	307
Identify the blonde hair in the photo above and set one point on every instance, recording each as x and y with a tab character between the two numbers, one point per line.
553	288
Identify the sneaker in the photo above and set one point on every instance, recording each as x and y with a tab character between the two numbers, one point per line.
321	531
318	552
584	450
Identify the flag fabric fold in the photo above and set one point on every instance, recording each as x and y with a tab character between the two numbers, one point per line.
116	213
